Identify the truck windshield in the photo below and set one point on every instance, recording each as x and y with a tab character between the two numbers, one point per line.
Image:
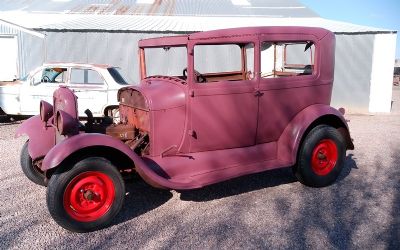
116	75
166	61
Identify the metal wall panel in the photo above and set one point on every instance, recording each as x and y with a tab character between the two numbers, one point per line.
353	65
30	49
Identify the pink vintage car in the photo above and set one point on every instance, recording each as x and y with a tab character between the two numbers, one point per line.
211	106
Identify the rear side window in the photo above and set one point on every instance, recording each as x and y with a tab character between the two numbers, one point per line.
288	59
86	76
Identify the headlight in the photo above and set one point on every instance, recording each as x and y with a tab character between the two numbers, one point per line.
66	124
46	111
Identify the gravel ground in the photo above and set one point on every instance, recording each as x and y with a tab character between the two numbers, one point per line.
267	210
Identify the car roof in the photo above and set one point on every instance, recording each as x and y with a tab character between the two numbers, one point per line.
182	40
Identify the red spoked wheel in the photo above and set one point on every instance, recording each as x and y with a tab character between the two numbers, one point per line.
324	157
89	196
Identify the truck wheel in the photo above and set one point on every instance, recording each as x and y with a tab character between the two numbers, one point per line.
321	157
87	196
31	171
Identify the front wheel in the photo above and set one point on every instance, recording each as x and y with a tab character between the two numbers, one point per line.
31	171
86	197
321	157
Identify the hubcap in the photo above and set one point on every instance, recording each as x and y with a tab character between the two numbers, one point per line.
89	196
324	157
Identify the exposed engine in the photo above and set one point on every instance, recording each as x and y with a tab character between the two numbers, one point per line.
133	126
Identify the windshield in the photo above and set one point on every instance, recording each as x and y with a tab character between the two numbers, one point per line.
166	61
116	75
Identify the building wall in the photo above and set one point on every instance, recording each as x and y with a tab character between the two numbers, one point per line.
117	49
361	83
382	73
353	65
30	47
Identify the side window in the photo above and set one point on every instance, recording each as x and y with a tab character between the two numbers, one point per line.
287	59
86	76
223	62
52	75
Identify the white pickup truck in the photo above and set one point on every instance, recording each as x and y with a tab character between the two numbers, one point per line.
95	86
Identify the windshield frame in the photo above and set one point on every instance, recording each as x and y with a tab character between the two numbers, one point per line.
115	73
142	57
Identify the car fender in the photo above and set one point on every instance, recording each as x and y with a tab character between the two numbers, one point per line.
64	149
41	136
289	141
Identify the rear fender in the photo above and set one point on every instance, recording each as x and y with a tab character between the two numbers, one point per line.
41	136
291	138
74	144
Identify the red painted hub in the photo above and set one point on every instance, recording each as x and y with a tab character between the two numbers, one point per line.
89	196
324	157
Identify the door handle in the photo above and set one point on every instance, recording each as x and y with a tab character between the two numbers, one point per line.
258	93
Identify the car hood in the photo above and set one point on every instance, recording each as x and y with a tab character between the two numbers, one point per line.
161	92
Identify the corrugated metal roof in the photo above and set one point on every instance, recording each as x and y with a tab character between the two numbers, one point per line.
266	8
165	24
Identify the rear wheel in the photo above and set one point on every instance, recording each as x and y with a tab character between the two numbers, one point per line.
86	197
321	157
31	171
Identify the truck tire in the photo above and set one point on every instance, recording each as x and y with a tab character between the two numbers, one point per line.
321	157
31	171
87	196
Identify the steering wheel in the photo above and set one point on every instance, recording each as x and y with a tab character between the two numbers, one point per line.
199	77
45	79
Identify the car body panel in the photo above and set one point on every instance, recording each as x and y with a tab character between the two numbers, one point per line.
41	136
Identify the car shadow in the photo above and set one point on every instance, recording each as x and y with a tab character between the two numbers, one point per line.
141	198
254	182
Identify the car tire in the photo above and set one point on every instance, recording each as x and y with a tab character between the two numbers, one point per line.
32	172
321	157
87	196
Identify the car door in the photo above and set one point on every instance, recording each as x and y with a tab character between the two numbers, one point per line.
40	86
90	88
288	82
223	105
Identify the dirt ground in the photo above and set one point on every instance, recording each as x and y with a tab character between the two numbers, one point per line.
267	210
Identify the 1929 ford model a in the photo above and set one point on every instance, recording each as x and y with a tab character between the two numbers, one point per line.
211	106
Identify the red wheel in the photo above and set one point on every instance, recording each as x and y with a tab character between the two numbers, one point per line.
86	197
89	196
324	157
320	157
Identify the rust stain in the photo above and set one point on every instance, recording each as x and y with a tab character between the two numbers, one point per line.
170	8
139	10
154	7
122	10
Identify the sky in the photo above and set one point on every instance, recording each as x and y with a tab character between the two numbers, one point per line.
374	13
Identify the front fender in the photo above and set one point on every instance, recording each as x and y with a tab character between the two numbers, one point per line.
41	137
64	149
289	142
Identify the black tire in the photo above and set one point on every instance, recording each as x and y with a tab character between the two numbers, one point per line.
32	172
321	157
92	174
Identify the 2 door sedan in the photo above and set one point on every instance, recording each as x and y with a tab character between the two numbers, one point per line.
95	86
